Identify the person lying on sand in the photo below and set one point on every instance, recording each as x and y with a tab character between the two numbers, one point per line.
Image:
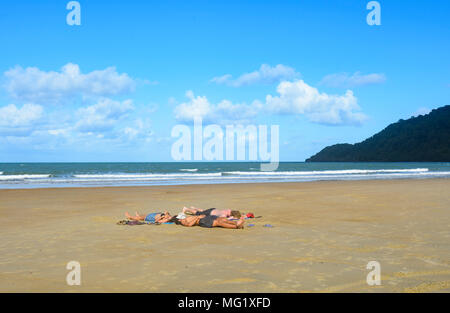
208	221
221	213
152	218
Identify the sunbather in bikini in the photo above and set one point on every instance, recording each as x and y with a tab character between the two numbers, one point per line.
221	213
208	221
152	218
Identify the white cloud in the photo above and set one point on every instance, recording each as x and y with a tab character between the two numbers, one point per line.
266	74
344	80
59	132
221	113
108	123
11	116
131	132
102	116
222	79
34	85
139	129
19	122
299	98
294	98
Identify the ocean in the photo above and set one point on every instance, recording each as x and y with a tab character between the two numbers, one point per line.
50	175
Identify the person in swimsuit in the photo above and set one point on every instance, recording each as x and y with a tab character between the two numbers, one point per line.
152	218
221	213
208	221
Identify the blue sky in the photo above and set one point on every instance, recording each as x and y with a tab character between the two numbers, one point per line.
113	88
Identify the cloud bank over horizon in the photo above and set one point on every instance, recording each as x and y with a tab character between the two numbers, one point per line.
71	109
91	112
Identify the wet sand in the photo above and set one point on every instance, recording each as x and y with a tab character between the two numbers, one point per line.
323	236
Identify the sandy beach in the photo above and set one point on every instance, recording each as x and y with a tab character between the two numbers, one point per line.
323	236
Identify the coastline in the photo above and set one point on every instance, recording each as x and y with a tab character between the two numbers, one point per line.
324	234
229	184
68	175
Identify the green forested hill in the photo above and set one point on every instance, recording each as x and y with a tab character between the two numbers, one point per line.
425	138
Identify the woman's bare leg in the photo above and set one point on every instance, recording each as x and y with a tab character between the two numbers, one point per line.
135	218
191	210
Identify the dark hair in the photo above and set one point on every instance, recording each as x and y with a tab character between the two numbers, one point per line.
175	220
236	214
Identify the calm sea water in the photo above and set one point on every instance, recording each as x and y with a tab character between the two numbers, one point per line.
46	175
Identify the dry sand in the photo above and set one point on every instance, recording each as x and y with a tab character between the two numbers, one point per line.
324	235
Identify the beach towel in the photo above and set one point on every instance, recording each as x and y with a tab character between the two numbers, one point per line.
131	223
134	223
